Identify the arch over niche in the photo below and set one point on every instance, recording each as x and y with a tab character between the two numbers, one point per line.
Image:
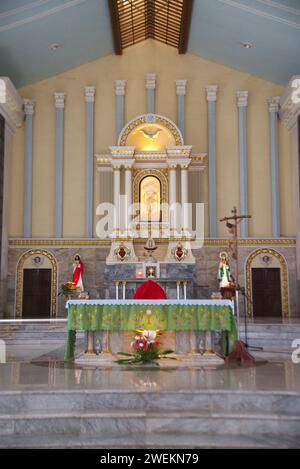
27	260
255	259
150	130
161	175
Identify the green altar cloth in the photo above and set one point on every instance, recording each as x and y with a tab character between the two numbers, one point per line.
127	315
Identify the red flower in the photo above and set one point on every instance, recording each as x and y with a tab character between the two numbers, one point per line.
140	345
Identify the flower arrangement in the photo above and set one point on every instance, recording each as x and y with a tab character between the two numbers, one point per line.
146	349
68	289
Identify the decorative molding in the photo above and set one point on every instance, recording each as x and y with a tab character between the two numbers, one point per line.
29	6
211	92
120	86
274	103
19	281
181	87
90	92
260	13
41	15
290	102
283	278
246	242
11	103
242	98
29	106
150	79
271	3
59	100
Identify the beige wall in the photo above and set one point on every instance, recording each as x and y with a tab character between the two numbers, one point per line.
136	61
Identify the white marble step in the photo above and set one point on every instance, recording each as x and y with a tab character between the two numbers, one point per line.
172	440
88	401
112	424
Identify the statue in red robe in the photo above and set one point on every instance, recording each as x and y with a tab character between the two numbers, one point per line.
78	272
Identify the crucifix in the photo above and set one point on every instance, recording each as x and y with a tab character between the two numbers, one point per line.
232	223
239	352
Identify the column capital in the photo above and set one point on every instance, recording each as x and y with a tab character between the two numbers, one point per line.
273	103
120	86
89	92
242	98
59	100
181	87
29	105
184	165
211	92
150	79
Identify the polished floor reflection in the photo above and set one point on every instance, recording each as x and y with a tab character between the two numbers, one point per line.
281	375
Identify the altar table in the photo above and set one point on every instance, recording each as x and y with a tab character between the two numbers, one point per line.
131	315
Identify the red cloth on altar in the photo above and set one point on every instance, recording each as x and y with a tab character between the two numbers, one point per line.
150	291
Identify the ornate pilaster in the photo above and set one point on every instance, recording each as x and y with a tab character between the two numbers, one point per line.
59	160
180	93
150	80
273	104
90	92
27	215
242	103
211	96
120	86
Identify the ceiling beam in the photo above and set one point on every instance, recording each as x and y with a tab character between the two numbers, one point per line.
185	26
115	25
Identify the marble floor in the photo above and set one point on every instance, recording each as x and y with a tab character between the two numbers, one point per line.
46	403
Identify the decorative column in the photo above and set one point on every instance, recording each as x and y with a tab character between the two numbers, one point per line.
172	196
150	79
184	198
89	154
211	95
242	102
27	216
273	113
120	108
128	193
181	92
59	158
117	180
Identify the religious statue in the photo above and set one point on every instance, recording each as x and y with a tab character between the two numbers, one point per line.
78	269
224	275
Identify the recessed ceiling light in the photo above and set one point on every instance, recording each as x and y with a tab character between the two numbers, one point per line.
247	45
55	46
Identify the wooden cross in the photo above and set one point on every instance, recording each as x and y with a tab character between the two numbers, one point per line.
233	244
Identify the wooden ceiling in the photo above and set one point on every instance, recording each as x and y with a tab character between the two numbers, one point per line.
167	21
